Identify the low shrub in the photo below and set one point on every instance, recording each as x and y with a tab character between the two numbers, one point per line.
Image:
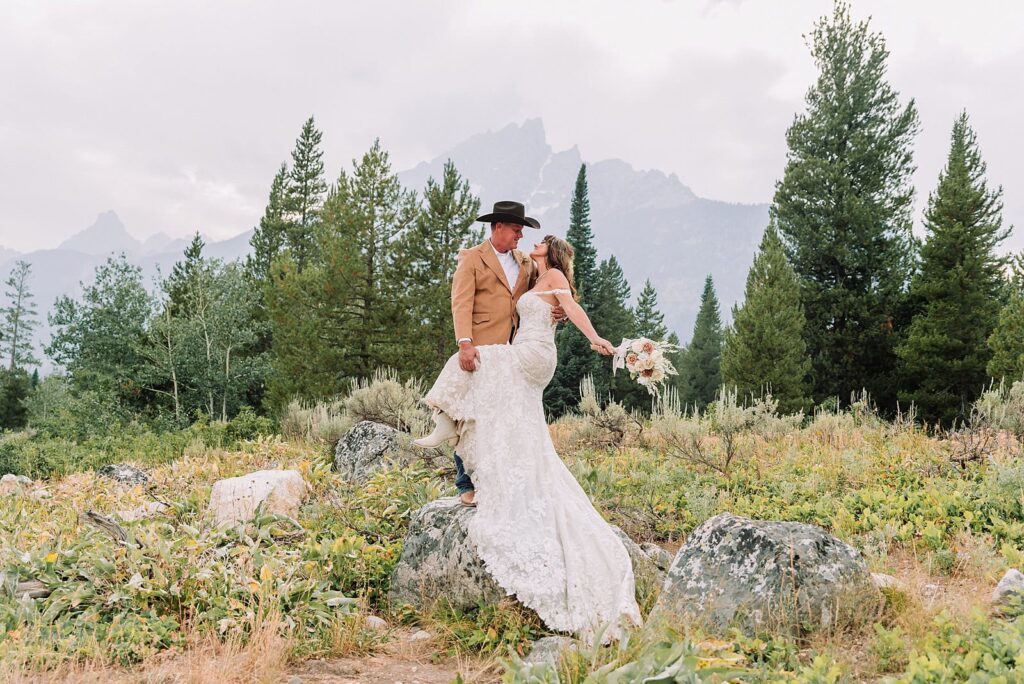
385	399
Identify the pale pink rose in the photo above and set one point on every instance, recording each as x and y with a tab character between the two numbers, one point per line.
647	347
637	345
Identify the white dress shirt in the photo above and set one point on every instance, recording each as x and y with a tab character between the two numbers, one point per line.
509	264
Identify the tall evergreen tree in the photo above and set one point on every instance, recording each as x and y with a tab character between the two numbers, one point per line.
702	371
351	314
956	288
18	319
613	319
432	244
304	194
183	273
1007	342
270	235
764	349
575	358
14	389
844	208
579	235
650	322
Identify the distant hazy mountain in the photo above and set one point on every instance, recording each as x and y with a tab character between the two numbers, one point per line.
655	226
107	234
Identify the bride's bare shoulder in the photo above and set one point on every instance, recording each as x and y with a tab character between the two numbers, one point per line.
556	279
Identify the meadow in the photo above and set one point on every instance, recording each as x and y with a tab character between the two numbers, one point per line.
180	599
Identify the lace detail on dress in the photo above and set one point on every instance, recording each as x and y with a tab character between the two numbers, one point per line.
534	526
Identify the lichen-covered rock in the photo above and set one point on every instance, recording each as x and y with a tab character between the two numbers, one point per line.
1012	584
235	499
124	473
759	575
367	447
439	562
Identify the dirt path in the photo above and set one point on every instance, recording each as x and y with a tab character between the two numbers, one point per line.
399	661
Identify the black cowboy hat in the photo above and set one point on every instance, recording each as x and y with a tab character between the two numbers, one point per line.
509	212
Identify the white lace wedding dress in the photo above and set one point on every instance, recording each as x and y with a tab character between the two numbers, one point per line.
534	527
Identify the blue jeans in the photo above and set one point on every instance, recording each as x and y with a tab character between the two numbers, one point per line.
462	481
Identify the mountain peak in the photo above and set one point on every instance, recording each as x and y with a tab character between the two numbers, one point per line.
106	234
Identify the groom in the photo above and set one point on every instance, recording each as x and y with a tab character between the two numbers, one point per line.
489	280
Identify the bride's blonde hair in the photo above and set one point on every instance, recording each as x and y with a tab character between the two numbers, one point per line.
560	254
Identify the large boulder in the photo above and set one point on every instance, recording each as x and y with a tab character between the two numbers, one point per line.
124	473
367	447
237	498
759	575
1010	589
440	562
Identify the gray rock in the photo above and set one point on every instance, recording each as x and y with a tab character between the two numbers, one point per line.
1011	584
124	473
421	635
760	575
367	447
9	477
439	562
661	557
549	650
375	623
646	572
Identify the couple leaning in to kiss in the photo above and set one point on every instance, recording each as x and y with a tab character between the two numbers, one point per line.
534	527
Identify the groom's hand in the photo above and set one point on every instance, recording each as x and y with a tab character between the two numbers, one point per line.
468	356
557	313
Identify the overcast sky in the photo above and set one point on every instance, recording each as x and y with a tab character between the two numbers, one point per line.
176	114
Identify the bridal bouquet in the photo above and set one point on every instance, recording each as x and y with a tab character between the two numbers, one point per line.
646	360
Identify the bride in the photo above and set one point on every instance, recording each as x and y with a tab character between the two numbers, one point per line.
534	527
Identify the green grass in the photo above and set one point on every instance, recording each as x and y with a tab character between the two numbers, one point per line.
893	493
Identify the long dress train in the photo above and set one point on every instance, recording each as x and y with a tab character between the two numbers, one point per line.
534	527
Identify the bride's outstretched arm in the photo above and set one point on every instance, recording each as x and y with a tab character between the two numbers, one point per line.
580	319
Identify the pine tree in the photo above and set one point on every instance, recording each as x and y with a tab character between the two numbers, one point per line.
650	322
613	320
1007	342
579	235
701	372
270	236
183	273
764	349
432	245
957	286
304	194
576	360
352	313
19	319
844	208
14	389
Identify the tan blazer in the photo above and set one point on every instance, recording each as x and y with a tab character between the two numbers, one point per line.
483	303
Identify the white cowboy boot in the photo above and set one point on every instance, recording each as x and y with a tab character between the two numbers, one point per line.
445	430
